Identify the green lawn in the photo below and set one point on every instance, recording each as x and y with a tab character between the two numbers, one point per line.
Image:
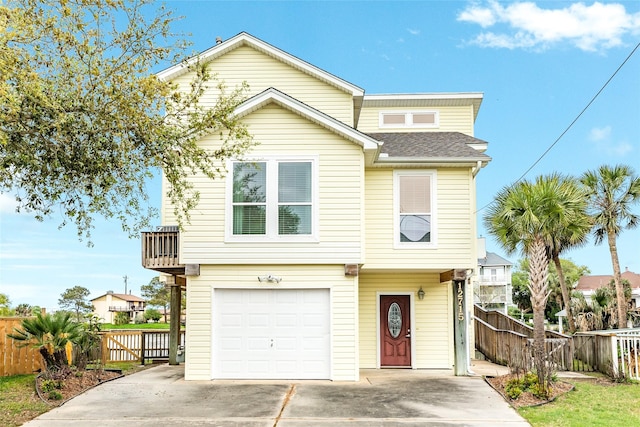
109	326
591	404
19	402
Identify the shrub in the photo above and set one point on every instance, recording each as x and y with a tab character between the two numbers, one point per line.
122	318
513	389
55	395
50	385
152	314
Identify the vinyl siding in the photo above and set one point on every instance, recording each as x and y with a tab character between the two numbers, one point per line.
452	119
343	316
340	164
432	323
455	224
261	72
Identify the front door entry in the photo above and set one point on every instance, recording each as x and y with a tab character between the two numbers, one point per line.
395	332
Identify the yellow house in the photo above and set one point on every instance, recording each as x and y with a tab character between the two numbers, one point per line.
344	240
108	305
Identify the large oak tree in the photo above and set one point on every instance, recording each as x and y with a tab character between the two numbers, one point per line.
84	122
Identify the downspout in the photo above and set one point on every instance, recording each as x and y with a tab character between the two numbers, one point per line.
475	170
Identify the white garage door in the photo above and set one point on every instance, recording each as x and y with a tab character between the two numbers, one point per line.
271	334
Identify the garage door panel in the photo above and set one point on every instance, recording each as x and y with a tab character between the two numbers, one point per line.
271	334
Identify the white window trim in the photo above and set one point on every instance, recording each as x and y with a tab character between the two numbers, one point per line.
272	197
397	244
408	119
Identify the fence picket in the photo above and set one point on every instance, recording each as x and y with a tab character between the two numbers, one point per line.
15	360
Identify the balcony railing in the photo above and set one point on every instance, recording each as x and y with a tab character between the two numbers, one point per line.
160	250
126	309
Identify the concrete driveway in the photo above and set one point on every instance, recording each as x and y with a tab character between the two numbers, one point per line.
159	396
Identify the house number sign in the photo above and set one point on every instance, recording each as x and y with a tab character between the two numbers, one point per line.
460	300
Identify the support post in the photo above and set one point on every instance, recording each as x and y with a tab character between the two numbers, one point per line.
174	323
460	330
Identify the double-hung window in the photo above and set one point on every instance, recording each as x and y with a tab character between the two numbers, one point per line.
414	199
272	199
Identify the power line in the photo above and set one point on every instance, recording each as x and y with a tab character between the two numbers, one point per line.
571	124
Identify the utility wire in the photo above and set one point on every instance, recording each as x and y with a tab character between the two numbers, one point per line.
570	125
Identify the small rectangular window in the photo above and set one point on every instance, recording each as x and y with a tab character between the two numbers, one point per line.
393	119
414	198
409	119
424	118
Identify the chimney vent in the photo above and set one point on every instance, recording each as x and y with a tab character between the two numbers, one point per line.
218	40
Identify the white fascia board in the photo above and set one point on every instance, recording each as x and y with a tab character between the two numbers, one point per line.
417	96
435	161
247	39
336	126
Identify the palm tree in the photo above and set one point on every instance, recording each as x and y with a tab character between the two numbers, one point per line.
524	217
569	234
612	193
50	335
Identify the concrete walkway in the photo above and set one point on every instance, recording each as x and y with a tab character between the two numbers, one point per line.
160	396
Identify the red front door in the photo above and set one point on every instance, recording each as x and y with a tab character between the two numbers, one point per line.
395	332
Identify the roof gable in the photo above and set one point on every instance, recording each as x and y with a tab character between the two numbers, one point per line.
272	95
245	39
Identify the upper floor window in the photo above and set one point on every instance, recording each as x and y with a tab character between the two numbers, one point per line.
413	119
272	198
414	194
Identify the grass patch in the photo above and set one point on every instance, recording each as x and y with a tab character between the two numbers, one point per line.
156	326
601	403
19	402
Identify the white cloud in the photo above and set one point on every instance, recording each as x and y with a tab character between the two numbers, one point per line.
599	134
603	141
413	32
8	204
526	25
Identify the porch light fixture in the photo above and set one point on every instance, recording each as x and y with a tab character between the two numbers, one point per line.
420	294
269	279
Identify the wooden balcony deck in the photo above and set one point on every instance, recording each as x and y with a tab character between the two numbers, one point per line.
160	251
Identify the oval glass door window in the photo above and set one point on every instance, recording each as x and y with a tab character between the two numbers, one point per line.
394	320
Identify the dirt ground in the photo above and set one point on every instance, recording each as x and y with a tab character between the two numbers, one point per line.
75	383
558	388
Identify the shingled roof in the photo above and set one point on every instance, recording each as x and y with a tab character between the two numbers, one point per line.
586	283
493	259
431	145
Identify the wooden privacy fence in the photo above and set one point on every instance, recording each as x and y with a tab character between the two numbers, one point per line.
615	352
509	342
16	360
130	345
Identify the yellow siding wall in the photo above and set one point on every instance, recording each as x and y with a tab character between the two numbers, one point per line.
340	198
261	72
452	119
344	303
101	309
455	227
432	324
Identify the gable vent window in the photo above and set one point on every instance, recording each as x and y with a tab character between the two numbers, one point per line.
415	119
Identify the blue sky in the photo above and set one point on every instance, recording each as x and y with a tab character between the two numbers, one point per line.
537	63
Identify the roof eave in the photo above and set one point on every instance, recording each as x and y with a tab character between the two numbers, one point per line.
432	161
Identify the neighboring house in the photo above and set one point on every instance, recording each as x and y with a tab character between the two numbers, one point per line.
106	306
492	283
588	285
342	241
